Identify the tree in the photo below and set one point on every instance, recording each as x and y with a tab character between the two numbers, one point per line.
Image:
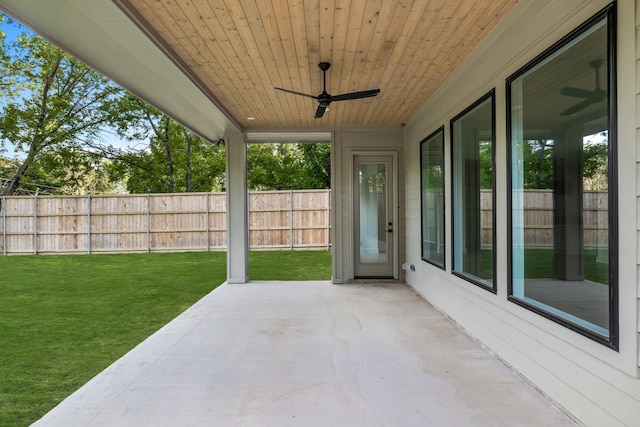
52	104
537	163
288	166
485	154
175	159
537	155
74	171
5	79
81	172
316	163
595	159
272	167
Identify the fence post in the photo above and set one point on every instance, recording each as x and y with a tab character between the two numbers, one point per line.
35	223
291	219
89	224
148	223
328	219
206	221
4	225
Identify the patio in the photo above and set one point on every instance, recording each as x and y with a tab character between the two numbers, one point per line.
308	354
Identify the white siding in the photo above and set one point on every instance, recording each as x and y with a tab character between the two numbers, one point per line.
637	94
597	385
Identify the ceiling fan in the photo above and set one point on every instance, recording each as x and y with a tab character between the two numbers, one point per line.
324	99
590	96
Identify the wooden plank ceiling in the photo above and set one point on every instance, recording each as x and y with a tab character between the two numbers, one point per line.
239	50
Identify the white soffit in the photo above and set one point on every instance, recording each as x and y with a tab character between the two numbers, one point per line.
100	34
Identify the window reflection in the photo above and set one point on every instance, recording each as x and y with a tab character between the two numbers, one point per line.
432	172
472	135
560	194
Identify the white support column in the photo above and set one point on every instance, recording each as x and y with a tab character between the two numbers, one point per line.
237	209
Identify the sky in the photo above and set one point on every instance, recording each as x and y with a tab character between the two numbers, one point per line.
13	29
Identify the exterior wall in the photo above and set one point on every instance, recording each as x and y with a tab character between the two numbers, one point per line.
345	141
637	120
597	385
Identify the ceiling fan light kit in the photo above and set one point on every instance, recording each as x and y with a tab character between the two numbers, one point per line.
325	99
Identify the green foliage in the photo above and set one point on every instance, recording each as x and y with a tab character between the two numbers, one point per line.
432	178
596	163
5	79
288	166
486	164
316	163
175	159
271	167
537	163
51	104
60	172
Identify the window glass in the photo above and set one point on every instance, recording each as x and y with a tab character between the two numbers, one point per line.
432	171
561	190
472	135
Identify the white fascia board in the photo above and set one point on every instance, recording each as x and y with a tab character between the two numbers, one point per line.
287	136
100	34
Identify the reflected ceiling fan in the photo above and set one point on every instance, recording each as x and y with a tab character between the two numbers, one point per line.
590	96
324	99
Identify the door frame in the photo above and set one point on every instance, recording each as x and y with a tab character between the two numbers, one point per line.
394	188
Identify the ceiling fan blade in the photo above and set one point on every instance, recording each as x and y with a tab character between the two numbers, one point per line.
296	93
320	111
579	106
576	92
355	95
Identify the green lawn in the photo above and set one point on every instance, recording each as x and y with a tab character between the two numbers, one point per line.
63	319
538	263
297	265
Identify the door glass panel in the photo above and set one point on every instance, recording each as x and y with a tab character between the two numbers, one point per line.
373	214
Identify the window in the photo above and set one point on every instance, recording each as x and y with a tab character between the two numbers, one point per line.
432	172
472	136
563	195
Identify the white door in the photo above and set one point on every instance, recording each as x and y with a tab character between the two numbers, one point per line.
374	216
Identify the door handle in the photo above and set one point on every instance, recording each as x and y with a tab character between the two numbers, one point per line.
390	229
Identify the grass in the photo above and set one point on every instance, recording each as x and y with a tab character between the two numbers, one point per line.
538	263
297	265
63	319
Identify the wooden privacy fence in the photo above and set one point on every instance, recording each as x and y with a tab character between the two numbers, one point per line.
197	222
161	222
537	217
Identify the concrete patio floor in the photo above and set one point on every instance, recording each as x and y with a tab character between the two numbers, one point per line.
308	354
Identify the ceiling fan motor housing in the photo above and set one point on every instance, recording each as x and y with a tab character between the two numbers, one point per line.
324	99
324	66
